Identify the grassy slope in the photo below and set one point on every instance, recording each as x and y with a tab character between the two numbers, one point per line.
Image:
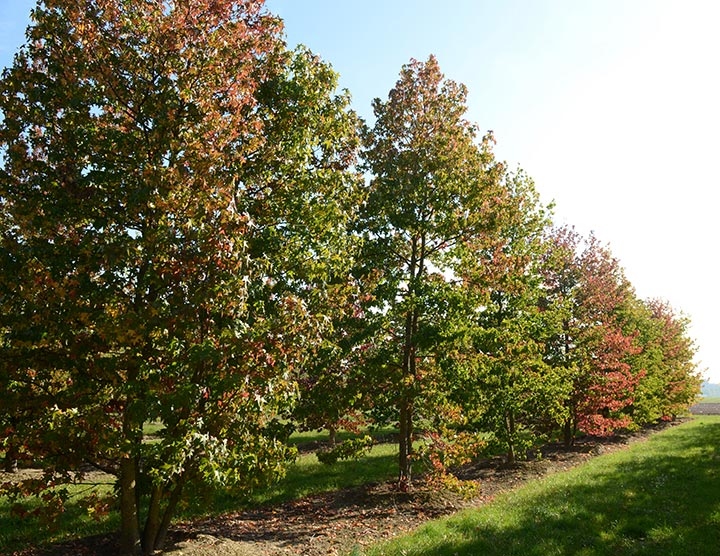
661	496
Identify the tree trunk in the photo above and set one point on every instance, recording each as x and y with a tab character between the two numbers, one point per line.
332	430
405	444
510	428
152	522
568	434
406	405
409	370
129	525
156	530
10	464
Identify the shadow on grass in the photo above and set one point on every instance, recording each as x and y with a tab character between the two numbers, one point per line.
661	497
305	477
18	533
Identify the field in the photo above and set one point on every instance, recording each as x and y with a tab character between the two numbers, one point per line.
706	406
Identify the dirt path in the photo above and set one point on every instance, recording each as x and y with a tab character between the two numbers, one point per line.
334	523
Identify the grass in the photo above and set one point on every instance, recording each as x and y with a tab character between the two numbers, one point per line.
658	497
306	476
310	437
151	428
709	399
661	496
77	521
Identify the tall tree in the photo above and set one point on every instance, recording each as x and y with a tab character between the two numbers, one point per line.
586	293
162	165
507	388
433	190
303	201
671	381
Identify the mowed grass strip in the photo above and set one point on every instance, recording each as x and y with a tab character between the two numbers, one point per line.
308	476
659	496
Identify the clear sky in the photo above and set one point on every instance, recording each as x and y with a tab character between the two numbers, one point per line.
612	106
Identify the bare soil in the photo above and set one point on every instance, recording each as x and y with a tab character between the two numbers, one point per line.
705	409
336	522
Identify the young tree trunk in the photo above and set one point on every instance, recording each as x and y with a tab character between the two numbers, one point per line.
10	463
406	401
568	434
510	428
129	525
162	530
332	430
152	522
405	445
158	519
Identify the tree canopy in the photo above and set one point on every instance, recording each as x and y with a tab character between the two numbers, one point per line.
196	230
434	195
162	170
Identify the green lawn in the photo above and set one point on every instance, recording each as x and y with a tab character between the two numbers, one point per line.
659	497
17	531
309	437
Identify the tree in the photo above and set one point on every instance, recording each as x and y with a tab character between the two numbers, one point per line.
586	293
670	380
156	159
432	192
507	388
303	217
332	385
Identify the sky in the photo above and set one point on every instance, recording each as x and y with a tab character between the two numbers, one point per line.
611	106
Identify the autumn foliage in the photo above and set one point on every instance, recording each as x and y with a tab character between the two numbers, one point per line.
197	231
150	232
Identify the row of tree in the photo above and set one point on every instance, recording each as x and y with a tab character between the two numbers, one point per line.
197	230
471	311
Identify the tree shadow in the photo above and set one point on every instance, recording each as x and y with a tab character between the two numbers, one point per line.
656	502
291	517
